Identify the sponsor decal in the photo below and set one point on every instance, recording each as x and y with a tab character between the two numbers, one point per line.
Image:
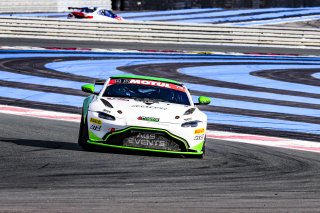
188	119
111	129
152	119
147	82
151	140
146	140
199	137
107	111
149	107
96	121
95	127
199	131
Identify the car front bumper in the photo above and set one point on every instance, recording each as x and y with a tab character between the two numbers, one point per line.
146	139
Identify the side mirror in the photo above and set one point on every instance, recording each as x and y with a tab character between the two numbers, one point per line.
203	100
88	88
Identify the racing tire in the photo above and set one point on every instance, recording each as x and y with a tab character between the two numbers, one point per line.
84	136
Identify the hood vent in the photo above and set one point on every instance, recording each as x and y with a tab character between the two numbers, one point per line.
106	103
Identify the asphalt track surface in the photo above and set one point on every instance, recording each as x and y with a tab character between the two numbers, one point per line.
43	170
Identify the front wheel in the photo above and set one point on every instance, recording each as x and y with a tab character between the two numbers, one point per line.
84	136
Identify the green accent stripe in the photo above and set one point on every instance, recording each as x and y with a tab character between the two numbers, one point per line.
198	147
93	137
143	149
147	78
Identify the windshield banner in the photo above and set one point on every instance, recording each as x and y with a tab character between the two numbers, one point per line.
147	82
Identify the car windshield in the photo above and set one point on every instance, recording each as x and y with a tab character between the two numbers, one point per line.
147	92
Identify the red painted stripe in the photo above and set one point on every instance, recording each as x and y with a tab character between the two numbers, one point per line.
14	109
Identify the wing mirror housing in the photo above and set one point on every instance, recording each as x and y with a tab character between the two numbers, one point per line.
88	88
203	100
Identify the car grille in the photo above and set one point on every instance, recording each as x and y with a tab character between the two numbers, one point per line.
150	139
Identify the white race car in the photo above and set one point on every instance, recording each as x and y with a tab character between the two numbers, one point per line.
143	113
94	13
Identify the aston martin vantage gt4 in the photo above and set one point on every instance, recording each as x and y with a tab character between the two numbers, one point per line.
143	113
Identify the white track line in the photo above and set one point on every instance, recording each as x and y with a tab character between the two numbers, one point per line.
228	136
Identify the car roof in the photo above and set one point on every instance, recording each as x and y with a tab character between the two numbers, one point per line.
142	77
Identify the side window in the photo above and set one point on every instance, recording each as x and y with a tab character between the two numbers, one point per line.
101	12
105	13
109	13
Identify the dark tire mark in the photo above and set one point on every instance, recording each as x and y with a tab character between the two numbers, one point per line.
41	88
36	67
300	76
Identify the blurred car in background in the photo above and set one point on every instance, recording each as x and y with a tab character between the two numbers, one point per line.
93	13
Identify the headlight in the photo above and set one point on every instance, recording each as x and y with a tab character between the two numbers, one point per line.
106	116
190	124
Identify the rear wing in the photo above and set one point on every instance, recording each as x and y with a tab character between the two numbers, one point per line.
75	8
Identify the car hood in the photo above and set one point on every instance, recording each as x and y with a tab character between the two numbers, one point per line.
146	110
